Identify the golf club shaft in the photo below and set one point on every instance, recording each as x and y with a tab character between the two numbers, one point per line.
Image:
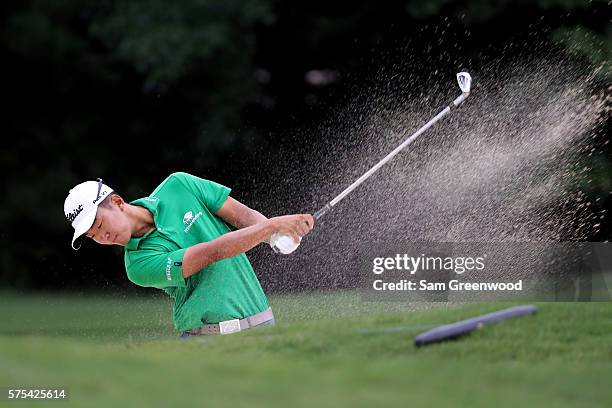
378	165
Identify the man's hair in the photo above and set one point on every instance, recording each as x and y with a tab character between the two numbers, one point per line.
106	202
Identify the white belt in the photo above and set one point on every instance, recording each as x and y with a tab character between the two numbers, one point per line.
234	325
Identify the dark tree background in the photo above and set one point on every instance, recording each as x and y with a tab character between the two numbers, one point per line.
132	90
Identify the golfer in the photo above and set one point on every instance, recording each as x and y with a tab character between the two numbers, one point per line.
177	239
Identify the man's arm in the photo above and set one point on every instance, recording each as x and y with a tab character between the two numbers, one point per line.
236	242
239	215
227	245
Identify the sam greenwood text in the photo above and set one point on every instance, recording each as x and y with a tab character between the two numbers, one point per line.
454	285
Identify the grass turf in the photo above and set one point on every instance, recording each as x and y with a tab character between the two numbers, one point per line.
328	349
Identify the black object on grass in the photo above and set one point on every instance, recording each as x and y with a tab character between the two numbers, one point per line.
454	330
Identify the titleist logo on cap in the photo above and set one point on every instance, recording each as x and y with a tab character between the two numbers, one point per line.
74	213
100	198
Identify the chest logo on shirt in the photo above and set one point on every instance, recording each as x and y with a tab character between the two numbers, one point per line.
189	219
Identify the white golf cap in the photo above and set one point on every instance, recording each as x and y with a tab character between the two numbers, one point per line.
82	203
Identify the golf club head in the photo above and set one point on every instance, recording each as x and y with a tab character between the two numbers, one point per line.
465	81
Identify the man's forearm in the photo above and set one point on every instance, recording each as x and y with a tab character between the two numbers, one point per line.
228	245
239	215
253	217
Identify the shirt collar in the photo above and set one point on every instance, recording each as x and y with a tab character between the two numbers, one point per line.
151	204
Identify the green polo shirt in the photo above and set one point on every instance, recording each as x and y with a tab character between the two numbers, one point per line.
184	207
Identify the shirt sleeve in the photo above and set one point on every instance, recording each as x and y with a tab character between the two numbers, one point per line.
212	194
150	268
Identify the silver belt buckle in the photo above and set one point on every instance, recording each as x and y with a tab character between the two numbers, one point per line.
229	326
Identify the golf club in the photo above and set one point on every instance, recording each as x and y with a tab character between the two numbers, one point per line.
284	244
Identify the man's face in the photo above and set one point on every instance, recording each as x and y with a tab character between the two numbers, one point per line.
111	226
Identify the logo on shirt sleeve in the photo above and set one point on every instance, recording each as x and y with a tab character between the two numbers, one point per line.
169	269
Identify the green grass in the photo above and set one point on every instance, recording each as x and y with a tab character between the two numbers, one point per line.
329	349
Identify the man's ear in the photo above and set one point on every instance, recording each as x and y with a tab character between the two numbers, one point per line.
117	200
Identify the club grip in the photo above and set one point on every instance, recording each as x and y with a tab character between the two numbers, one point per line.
322	211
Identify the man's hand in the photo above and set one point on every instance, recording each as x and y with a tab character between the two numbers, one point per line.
295	226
